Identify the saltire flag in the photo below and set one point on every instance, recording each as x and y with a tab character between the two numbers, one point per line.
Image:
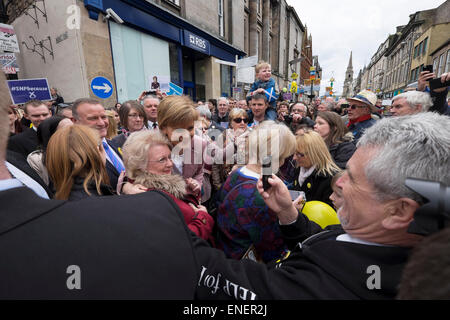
174	90
271	95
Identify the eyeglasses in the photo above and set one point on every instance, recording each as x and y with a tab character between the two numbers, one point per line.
239	120
135	116
353	107
162	160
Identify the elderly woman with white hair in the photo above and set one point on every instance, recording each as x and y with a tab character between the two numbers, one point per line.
148	162
245	223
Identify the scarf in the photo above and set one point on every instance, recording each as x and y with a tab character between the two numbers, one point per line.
360	119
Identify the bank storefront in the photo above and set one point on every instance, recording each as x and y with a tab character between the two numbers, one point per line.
153	47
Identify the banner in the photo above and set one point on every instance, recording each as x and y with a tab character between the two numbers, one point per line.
8	63
24	90
8	38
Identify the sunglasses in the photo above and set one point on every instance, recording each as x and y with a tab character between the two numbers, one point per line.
239	120
353	107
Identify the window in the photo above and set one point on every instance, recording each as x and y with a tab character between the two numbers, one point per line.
447	65
425	45
176	2
221	20
419	50
435	64
441	64
415	51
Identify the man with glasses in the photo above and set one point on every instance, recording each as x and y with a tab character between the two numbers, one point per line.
359	113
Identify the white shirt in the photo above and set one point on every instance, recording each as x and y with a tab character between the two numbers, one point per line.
25	180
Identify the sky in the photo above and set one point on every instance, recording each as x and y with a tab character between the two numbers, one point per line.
360	26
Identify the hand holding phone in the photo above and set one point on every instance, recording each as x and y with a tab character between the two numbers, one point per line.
266	172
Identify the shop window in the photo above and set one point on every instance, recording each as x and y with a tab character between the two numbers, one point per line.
138	57
225	81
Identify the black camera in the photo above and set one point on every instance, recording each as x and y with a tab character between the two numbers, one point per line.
434	214
428	68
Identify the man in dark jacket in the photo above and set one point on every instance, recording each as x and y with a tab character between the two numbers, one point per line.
363	257
26	142
91	113
359	113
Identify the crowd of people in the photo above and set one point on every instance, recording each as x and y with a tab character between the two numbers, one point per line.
207	160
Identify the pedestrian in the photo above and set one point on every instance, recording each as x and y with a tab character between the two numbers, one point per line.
359	113
246	226
266	85
315	168
339	140
75	160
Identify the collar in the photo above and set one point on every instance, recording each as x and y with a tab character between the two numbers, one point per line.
360	119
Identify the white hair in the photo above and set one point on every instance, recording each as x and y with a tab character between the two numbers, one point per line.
414	98
204	111
413	146
224	99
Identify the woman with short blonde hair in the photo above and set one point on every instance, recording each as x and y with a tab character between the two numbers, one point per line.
75	161
315	169
242	215
148	162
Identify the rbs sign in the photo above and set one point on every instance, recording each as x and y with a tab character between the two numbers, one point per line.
195	42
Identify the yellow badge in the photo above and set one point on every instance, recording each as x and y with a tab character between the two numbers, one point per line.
120	150
309	185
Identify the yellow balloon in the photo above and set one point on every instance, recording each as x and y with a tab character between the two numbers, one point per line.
321	213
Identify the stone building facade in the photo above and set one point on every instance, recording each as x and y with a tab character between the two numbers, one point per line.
154	40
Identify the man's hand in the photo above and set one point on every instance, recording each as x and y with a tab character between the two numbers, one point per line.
141	97
278	199
444	77
424	77
296	117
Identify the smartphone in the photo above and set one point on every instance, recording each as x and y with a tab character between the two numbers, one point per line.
436	84
295	194
266	172
428	68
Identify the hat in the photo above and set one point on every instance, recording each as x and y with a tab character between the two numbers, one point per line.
367	97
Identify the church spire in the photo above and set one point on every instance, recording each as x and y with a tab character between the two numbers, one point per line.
350	62
348	82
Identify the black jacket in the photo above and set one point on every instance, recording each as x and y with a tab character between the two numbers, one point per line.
342	152
316	187
126	247
78	192
24	143
17	160
319	267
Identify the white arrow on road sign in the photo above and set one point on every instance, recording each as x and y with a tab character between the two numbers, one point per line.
105	87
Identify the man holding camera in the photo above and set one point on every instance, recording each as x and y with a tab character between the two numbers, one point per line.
438	91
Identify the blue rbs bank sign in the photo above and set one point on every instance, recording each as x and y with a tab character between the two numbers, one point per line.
196	42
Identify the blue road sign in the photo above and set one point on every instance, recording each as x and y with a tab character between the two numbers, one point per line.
102	87
174	90
25	90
